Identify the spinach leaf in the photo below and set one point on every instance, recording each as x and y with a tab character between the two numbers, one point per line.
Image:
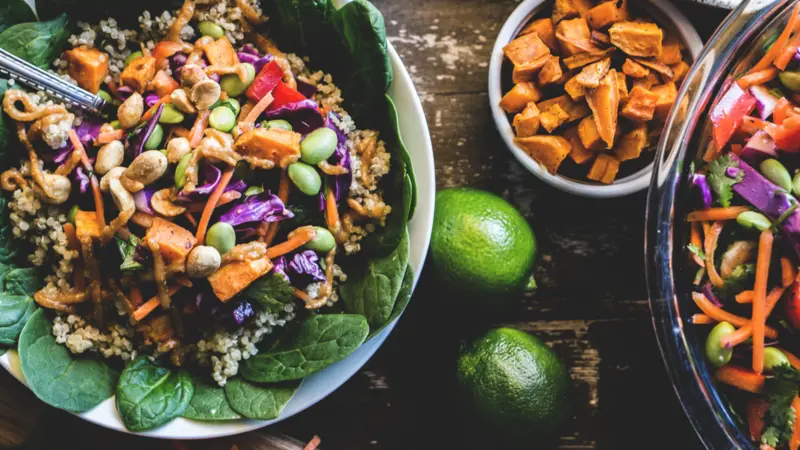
15	310
150	395
14	12
39	43
3	351
254	401
271	291
9	247
128	249
57	377
22	281
399	148
209	403
403	299
320	341
372	285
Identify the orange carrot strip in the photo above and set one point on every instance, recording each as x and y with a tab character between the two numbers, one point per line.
109	136
296	239
149	113
752	125
702	319
728	213
202	226
756	78
190	218
331	211
745	297
794	441
224	199
315	441
711	152
744	333
706	228
180	132
272	231
283	194
759	299
788	53
720	315
788	272
87	165
697	241
151	304
259	108
741	378
711	246
780	43
72	237
246	108
794	361
196	134
736	149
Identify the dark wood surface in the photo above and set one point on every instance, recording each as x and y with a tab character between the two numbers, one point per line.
591	306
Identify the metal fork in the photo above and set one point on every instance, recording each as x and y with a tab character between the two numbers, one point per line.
41	80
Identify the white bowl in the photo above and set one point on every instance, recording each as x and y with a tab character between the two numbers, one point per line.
314	388
665	13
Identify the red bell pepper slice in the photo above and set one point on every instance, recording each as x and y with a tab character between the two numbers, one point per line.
787	136
265	81
283	95
729	112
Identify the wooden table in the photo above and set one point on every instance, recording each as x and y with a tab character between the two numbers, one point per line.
591	306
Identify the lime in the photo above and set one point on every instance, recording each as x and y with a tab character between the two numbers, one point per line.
515	384
481	247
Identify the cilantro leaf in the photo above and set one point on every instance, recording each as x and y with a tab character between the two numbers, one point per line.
694	249
128	249
720	183
271	291
780	391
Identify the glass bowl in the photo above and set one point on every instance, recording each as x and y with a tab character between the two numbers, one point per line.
738	41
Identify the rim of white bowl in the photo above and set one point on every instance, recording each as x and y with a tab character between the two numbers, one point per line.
318	386
665	13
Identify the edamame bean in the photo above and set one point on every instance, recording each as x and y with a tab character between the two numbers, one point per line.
72	213
170	115
796	184
154	141
116	125
222	237
253	190
233	104
233	85
790	79
133	56
323	241
222	119
777	173
180	170
105	96
716	354
318	146
305	177
277	123
774	358
753	220
210	29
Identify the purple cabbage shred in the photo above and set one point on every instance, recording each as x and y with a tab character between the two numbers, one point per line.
264	207
307	264
304	115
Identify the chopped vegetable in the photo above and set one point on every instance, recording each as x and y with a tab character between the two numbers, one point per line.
87	66
139	73
604	103
526	49
519	96
550	151
174	242
637	38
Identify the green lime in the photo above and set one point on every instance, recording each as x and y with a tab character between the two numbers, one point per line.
481	246
516	385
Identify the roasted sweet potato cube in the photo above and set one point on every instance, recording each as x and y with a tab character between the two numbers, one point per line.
622	85
641	105
612	168
525	49
591	75
604	103
631	144
582	59
163	84
527	72
600	38
574	89
576	110
220	53
637	38
553	118
671	51
549	151
647	82
174	241
667	93
551	71
567	9
86	224
590	137
526	123
656	66
87	66
598	168
633	69
139	73
233	278
574	37
544	28
519	96
603	15
679	70
578	153
282	147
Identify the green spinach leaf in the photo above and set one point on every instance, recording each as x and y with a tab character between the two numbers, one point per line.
209	403
39	43
271	291
128	249
20	281
254	401
318	342
150	395
15	310
403	299
9	247
372	285
14	12
399	148
57	377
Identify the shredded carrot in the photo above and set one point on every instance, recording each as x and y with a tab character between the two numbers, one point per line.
202	226
72	237
780	43
697	241
149	113
759	299
788	53
259	108
302	295
272	231
706	227
744	333
151	304
720	315
297	238
794	441
224	199
711	246
200	124
246	108
110	136
728	213
788	272
757	78
190	218
315	441
283	195
745	297
702	319
736	149
711	152
98	196
752	125
331	211
794	361
136	297
180	132
741	378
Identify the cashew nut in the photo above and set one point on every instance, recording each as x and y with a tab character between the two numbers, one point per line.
177	148
131	110
202	261
145	169
162	204
111	181
109	156
113	174
60	188
205	93
181	101
192	74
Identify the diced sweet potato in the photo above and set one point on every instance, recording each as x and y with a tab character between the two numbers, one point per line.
526	123
87	66
163	84
641	105
598	168
600	38
647	82
637	38
631	144
549	151
220	53
633	69
612	168
544	28
578	153
86	224
679	70
174	241
519	96
667	93
566	9
527	72
576	110
525	49
574	89
604	103
551	71
657	67
671	51
553	118
603	15
589	136
139	73
591	75
234	277
574	37
582	59
282	147
622	85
